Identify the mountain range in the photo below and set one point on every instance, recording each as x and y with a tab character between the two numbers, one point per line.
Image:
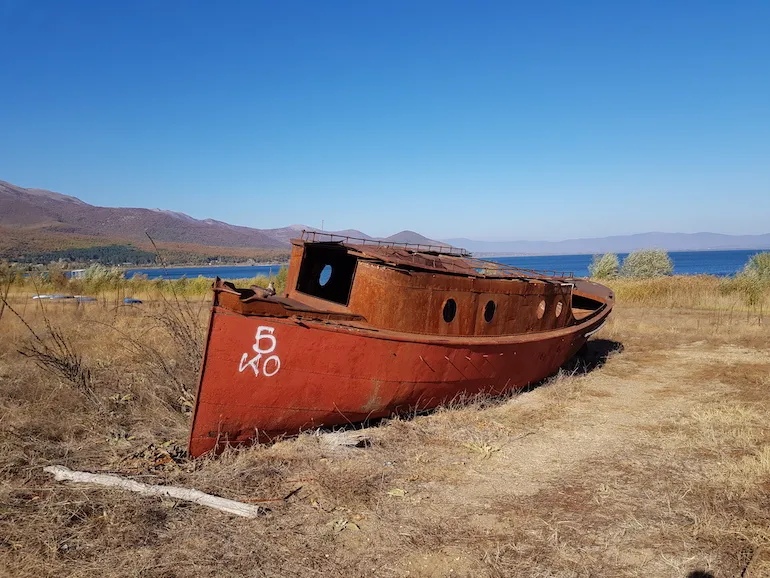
36	220
618	244
32	220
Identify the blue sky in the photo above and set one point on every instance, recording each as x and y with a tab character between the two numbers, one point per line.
487	120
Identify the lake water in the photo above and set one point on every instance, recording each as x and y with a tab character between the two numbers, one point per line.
720	263
225	272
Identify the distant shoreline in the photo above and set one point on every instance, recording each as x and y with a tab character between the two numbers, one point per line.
714	262
484	255
161	267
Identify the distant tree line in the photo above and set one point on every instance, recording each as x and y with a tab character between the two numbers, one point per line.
105	255
116	255
258	256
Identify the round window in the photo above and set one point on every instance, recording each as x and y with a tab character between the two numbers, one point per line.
541	309
489	311
326	274
559	308
450	310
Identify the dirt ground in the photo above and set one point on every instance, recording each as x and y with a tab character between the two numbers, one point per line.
648	456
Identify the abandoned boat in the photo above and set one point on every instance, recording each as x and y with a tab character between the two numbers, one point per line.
368	329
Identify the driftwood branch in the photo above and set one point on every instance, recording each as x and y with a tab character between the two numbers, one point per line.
197	497
346	439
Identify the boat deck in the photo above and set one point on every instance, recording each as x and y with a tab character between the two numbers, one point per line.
581	314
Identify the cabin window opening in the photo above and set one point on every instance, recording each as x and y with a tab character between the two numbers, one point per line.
580	302
559	308
327	272
489	311
450	310
541	309
325	275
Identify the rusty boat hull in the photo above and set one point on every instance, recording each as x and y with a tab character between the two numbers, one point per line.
278	366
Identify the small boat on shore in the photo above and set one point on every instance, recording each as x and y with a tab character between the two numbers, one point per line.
368	329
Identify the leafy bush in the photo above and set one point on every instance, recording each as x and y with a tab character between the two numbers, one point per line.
604	266
758	266
97	272
9	273
647	263
280	280
57	276
753	281
98	278
750	287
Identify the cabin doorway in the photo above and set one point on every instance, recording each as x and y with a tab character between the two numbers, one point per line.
327	272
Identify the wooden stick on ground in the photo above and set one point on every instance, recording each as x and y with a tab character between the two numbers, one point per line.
195	496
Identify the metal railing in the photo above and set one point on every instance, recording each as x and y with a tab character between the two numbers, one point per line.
313	237
465	262
485	267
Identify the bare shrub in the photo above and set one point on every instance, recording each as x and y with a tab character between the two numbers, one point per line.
55	353
180	319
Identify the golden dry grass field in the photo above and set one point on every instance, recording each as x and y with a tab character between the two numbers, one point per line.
649	456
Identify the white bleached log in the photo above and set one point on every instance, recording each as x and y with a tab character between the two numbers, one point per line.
351	439
197	497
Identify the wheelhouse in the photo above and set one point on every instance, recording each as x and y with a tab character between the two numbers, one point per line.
425	289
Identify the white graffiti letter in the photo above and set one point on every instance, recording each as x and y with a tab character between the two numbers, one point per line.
253	363
263	333
276	360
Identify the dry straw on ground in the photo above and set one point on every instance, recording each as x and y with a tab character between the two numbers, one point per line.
650	456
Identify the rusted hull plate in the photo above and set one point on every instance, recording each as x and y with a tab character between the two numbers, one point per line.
265	377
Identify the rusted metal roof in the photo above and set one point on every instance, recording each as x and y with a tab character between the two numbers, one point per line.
439	258
441	249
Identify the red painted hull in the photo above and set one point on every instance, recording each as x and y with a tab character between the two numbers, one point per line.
304	374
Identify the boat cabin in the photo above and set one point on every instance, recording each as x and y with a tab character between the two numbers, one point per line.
419	289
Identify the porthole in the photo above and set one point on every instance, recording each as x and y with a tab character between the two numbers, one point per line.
326	274
541	310
450	310
559	308
489	311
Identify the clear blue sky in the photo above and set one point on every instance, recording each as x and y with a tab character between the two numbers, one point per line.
488	120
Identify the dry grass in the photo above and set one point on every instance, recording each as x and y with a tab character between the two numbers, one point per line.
112	291
739	294
745	295
654	461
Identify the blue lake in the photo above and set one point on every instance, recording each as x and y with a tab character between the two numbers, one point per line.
720	263
225	272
